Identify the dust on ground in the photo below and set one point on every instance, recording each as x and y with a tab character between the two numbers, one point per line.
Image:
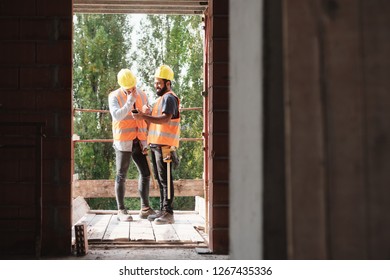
135	253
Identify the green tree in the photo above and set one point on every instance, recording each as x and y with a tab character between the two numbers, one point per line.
100	48
177	41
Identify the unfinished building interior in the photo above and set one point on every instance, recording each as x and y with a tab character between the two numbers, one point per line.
298	127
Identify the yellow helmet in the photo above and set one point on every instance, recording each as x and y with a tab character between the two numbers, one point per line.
164	72
126	78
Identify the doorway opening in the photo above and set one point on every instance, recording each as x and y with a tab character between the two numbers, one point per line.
130	34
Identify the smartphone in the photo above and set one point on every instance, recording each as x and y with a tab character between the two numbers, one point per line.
134	111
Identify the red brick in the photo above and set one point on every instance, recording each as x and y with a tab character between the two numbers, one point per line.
220	7
54	8
220	170
219	51
56	237
27	212
219	240
17	53
56	148
64	78
9	78
36	29
36	77
65	29
17	8
17	244
219	74
9	154
220	121
57	195
28	169
58	124
220	217
9	225
220	145
9	29
10	170
58	52
57	172
18	194
66	121
219	98
17	100
221	193
54	100
220	27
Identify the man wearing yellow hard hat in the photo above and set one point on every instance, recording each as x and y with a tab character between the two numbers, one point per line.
163	138
130	139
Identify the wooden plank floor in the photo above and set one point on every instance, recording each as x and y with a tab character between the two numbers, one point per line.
104	228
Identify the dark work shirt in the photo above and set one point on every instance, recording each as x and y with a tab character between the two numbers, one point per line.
170	105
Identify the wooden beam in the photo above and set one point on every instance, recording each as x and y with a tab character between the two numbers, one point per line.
105	188
142	7
134	11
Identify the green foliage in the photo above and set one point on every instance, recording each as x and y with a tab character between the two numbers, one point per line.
177	41
181	203
100	47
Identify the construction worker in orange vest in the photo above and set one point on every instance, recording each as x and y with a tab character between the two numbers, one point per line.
163	139
130	140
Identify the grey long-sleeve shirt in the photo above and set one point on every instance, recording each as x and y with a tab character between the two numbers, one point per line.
119	113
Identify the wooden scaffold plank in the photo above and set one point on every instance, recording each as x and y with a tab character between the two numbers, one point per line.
116	230
98	227
141	230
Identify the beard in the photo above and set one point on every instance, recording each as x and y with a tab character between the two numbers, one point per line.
160	92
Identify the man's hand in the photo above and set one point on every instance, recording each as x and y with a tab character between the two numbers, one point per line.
138	116
146	110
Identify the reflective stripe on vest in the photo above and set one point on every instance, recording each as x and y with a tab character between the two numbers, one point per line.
128	128
167	133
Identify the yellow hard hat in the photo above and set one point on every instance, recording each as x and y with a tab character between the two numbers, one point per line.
164	72
126	78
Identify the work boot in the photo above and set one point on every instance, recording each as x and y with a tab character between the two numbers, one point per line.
144	214
165	218
155	216
124	216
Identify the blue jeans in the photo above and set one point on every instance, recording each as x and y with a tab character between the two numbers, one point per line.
122	166
160	170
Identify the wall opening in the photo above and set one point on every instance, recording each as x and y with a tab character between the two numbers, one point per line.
140	11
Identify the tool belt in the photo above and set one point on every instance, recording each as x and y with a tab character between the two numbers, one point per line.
170	155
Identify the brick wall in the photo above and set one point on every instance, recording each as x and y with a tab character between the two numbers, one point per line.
35	86
218	94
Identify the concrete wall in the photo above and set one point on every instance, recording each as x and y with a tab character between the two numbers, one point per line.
246	129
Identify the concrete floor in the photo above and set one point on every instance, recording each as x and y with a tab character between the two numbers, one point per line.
142	253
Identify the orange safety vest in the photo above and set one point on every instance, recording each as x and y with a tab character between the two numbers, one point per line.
167	133
128	128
